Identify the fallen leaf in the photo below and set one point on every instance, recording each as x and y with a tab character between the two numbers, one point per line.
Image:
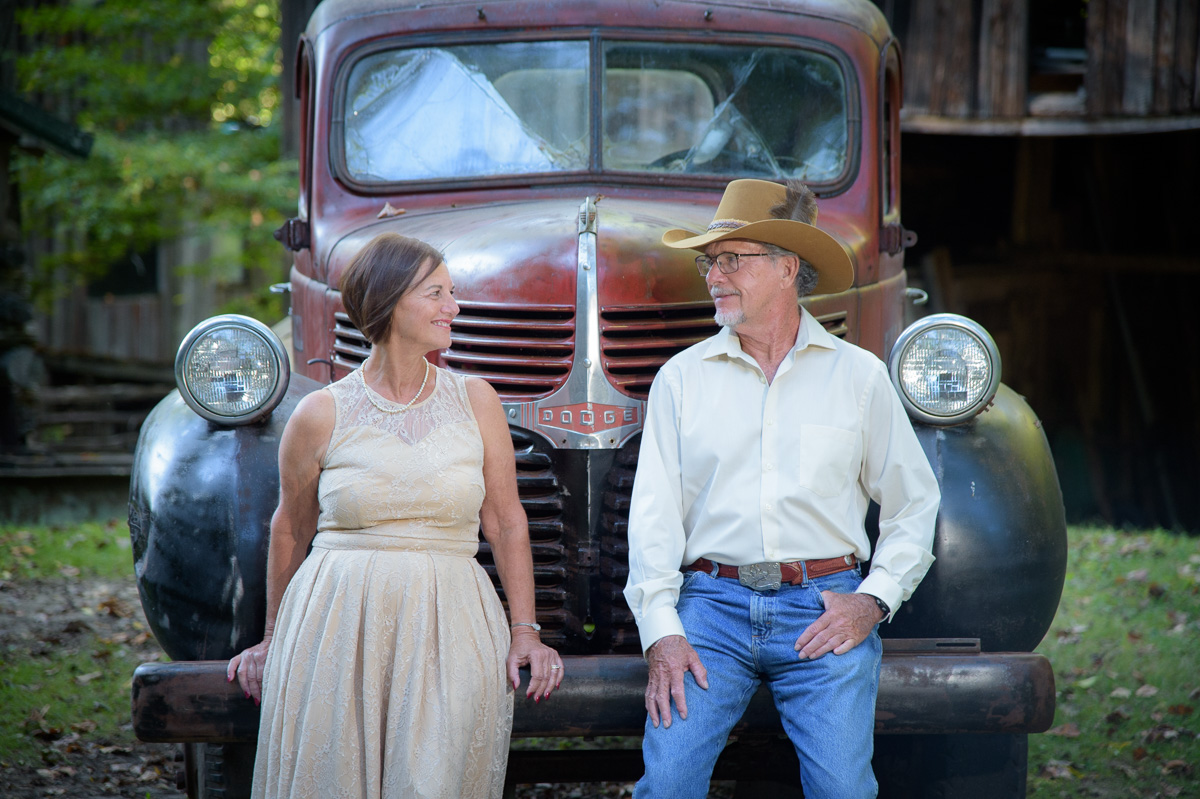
1133	635
149	775
1068	730
84	679
1155	590
87	725
1176	767
1121	693
1139	753
1146	690
115	607
1117	716
1180	710
1163	732
1057	770
1087	682
1137	575
68	571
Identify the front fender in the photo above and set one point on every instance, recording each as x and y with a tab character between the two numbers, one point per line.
201	498
1001	542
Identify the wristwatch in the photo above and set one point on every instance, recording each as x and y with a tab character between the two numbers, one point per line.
879	603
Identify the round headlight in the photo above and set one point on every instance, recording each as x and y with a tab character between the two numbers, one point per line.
946	368
232	369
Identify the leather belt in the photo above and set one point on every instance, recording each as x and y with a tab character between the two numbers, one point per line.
771	575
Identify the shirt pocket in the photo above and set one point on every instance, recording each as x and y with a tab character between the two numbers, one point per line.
825	459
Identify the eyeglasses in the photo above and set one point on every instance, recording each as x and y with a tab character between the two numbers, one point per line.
727	262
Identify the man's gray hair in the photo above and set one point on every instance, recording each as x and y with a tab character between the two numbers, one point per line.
806	275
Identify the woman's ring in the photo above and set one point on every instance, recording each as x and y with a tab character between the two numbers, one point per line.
555	667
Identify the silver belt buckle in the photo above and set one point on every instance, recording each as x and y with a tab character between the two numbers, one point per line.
761	576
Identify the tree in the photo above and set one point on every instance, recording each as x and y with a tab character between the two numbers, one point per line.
183	100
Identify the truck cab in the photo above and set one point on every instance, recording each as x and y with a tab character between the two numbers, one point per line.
544	148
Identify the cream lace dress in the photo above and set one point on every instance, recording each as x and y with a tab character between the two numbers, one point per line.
385	677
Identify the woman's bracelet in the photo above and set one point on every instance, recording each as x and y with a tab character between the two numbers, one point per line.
536	627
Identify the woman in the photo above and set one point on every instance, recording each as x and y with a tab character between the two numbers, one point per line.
382	669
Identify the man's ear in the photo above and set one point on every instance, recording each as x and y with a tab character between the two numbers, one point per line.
791	266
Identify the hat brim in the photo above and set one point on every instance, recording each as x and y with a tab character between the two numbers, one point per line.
835	272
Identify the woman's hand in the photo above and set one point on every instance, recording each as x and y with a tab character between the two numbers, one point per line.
545	665
248	667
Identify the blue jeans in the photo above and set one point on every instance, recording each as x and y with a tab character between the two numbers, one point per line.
744	638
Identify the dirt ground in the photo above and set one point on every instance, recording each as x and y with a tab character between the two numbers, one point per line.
39	616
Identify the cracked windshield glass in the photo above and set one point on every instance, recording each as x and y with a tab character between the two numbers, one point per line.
522	108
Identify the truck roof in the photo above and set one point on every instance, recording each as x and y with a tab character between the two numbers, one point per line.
859	14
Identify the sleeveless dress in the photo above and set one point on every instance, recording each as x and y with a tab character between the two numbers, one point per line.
386	674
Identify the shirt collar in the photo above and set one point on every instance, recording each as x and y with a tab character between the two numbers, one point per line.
811	333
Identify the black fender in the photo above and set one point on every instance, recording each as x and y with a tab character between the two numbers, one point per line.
1001	541
201	498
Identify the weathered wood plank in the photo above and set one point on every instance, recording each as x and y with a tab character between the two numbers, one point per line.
1164	55
1137	91
1003	58
1184	92
1114	56
919	47
954	75
1095	79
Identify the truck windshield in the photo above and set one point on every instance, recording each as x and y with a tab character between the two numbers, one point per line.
523	108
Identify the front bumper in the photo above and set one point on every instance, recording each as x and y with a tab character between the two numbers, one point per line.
926	686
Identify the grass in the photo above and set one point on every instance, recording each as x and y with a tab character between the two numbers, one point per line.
1124	645
91	549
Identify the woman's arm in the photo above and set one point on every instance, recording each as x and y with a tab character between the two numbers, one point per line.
507	531
293	525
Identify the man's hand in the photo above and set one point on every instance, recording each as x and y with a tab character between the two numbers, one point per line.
847	621
668	658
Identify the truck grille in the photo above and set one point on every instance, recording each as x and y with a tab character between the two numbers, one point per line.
635	341
523	351
614	549
541	495
350	346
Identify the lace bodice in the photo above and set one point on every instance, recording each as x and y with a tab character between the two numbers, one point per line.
416	472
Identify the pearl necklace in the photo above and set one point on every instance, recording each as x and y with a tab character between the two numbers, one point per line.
407	405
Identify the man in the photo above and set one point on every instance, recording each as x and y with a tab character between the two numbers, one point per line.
762	448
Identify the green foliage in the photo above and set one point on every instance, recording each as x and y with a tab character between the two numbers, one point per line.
182	98
1123	646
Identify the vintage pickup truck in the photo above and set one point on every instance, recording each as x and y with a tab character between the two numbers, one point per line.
544	148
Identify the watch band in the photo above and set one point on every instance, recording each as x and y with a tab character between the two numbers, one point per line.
536	627
879	603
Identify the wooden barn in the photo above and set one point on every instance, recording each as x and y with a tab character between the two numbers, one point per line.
1050	154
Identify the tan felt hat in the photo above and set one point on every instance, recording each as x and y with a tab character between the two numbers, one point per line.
745	212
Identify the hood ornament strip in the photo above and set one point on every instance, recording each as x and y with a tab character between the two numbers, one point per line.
587	412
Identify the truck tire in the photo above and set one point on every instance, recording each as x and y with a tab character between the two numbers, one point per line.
949	766
219	771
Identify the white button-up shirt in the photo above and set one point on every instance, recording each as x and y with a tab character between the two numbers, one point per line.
738	470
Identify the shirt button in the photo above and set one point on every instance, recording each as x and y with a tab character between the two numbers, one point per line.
766	507
768	467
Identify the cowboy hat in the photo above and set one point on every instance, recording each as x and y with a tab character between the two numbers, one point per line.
766	212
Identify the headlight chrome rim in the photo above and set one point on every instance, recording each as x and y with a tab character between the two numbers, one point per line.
275	349
960	324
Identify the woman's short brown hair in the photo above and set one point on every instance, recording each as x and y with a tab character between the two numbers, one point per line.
379	275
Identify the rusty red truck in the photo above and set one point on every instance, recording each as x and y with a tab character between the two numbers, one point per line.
544	148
